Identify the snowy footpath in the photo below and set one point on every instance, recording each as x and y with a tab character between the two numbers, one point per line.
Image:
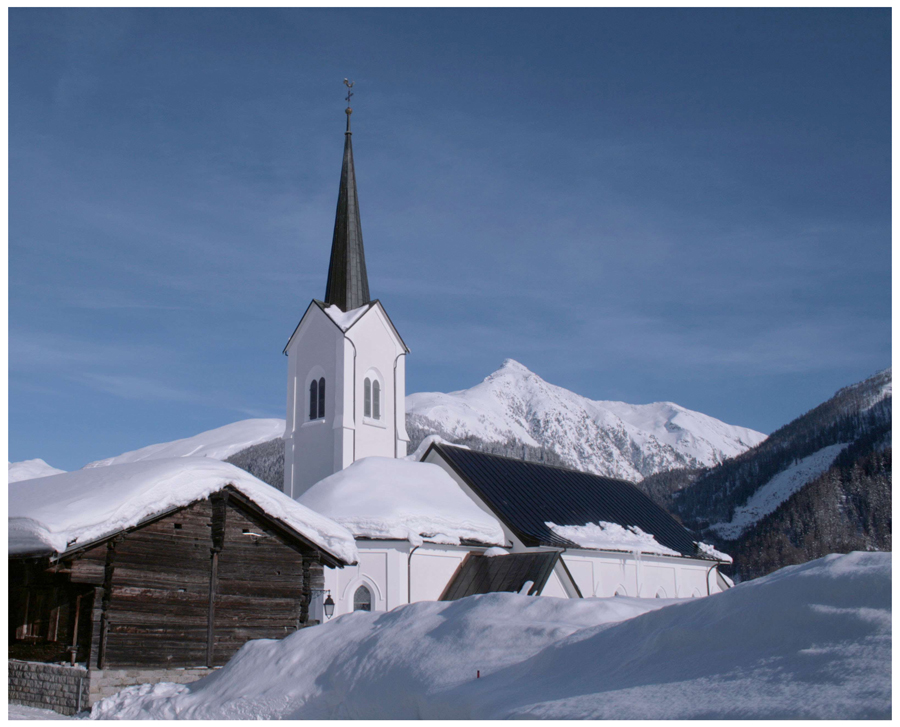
810	641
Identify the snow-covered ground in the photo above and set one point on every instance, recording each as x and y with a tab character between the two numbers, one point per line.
30	469
218	443
17	711
51	514
768	497
610	438
809	641
397	499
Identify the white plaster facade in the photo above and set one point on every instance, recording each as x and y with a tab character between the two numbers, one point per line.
396	572
344	356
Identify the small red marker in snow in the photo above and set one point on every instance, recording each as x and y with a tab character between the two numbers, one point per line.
478	674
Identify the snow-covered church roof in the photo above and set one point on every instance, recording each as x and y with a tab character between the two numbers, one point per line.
63	512
546	505
397	499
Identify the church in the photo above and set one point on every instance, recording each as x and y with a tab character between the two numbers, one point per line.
446	521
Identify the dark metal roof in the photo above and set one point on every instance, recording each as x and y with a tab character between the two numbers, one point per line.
348	284
480	574
526	495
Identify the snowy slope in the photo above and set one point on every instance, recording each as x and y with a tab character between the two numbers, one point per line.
398	499
218	443
605	437
768	497
807	642
51	514
30	469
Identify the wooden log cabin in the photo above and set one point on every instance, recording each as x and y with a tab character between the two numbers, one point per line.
163	584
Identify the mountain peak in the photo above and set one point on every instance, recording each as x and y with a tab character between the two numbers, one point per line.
510	364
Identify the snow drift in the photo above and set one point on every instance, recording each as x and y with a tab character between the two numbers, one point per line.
52	514
30	469
810	641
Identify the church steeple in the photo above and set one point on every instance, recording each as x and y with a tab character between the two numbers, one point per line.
348	284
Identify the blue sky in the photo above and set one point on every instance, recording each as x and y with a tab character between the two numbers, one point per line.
641	205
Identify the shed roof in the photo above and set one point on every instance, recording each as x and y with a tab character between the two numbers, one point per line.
529	497
480	573
53	515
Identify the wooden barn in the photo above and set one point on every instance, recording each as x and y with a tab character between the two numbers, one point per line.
155	567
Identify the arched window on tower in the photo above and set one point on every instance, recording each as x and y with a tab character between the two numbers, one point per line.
314	399
317	399
372	396
362	599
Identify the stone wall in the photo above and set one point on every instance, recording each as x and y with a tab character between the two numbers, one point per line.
106	682
63	689
68	689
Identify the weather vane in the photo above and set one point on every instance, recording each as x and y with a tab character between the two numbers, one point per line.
349	85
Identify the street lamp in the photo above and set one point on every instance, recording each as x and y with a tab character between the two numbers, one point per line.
328	605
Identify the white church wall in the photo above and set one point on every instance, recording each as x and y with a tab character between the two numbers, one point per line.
604	574
311	446
377	350
554	587
431	569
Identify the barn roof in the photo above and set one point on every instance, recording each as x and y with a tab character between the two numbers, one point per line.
53	515
509	573
545	505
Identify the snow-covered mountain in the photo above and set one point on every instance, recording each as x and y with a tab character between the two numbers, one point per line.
218	443
516	408
820	484
30	469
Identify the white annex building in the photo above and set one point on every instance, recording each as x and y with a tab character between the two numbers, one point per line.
446	521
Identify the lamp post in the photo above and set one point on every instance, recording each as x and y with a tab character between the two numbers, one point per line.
327	604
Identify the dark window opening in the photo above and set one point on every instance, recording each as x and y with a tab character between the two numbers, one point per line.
362	599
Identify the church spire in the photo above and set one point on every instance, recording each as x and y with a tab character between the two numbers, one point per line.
348	284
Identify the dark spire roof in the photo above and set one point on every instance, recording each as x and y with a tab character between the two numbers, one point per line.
348	284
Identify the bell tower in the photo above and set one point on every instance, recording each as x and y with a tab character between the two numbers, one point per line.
346	362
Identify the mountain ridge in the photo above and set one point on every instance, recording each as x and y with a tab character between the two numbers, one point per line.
514	408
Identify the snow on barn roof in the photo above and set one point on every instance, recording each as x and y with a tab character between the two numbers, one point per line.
58	513
395	499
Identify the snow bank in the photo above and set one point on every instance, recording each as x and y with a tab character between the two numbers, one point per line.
611	536
54	513
398	499
345	320
218	443
768	497
375	665
807	642
30	469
